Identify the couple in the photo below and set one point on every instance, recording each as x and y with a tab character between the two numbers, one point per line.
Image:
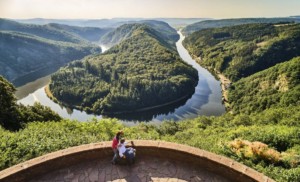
120	150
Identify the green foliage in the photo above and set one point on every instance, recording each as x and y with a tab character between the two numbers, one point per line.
208	133
8	106
240	51
13	116
37	112
140	72
278	86
231	22
41	138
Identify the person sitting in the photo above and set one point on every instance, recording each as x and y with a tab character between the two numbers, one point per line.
127	153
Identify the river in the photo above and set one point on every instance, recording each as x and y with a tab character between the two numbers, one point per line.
207	99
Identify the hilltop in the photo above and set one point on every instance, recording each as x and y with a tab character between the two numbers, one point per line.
124	31
140	72
231	22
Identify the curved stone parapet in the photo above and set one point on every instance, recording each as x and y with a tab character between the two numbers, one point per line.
155	161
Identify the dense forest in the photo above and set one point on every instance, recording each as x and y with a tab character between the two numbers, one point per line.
124	31
14	116
278	86
140	72
242	50
26	48
231	22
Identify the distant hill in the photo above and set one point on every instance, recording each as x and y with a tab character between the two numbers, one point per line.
27	48
125	31
45	31
230	22
119	34
181	22
278	86
110	23
89	33
101	23
139	72
242	50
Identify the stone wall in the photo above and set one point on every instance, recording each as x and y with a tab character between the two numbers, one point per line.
96	151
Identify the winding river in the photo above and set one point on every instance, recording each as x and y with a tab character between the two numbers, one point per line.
207	99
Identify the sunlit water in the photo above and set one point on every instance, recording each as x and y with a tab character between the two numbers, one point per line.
103	48
207	99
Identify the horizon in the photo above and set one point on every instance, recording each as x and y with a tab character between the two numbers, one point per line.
113	9
208	18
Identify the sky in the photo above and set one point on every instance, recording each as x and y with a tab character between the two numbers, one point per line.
98	9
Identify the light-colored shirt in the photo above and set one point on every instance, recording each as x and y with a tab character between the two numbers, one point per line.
122	149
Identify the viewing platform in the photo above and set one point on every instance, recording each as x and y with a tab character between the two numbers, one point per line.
155	161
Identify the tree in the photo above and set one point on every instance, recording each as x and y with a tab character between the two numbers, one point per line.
8	105
13	116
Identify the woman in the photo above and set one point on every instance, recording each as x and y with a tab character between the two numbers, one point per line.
115	143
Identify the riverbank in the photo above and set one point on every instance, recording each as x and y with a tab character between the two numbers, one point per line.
50	95
225	82
36	74
55	100
151	107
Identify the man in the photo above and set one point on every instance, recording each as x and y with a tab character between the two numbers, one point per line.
127	153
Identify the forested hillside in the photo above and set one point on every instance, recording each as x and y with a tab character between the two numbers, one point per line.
242	50
14	116
121	33
278	86
140	72
23	53
231	22
28	48
44	31
263	62
89	33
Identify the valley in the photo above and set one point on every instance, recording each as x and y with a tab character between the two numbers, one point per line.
155	83
205	101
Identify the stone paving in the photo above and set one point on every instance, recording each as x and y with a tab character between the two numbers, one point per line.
144	170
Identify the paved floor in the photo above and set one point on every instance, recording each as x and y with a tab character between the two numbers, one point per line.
144	170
